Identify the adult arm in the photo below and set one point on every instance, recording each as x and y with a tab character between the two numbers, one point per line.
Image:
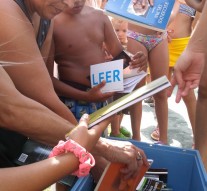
37	121
28	71
122	152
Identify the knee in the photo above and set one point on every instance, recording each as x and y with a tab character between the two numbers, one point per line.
161	96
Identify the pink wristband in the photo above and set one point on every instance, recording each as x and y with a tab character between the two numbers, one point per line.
85	158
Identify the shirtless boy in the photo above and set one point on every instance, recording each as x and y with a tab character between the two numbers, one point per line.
18	45
79	33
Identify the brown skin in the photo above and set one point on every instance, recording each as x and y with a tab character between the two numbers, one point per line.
175	31
190	72
74	59
31	77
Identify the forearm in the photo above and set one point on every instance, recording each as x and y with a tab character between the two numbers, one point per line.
39	175
66	90
21	114
101	147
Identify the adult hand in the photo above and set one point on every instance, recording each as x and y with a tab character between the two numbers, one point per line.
126	153
187	73
87	137
139	60
95	94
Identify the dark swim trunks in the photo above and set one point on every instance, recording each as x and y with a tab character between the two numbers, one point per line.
77	107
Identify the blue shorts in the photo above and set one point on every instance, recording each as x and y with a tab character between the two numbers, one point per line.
78	108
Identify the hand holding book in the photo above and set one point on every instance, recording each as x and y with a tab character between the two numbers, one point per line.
112	178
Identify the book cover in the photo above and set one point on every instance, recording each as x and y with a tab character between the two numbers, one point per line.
128	100
111	179
149	184
154	17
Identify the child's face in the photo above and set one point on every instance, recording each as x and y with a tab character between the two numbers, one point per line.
121	31
76	5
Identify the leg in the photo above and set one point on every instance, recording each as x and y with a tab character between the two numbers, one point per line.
115	127
136	110
158	62
190	103
136	116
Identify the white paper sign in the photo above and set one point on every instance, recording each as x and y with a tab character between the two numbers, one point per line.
111	72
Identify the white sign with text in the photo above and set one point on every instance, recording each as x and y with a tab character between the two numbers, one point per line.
111	72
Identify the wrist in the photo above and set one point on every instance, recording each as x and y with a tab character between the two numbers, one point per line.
85	158
101	147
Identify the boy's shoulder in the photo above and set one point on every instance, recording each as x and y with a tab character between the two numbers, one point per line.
96	13
93	10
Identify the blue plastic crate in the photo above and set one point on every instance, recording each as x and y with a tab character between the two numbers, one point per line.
185	168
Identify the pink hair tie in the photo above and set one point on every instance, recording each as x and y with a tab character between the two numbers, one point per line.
85	158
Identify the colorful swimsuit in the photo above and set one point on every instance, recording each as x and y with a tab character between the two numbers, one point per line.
185	9
177	45
149	41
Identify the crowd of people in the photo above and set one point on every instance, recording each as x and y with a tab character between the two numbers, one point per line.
34	104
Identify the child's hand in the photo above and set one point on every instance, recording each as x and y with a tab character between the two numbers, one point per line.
87	138
139	60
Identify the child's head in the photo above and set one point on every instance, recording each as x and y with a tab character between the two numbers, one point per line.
120	27
92	3
75	6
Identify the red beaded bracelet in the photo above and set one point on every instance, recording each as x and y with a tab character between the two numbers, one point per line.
85	158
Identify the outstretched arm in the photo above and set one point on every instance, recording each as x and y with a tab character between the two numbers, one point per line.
39	175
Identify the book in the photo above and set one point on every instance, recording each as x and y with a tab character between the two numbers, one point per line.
131	78
34	151
149	184
154	17
111	179
158	173
128	100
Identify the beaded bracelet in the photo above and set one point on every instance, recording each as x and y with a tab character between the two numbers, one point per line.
85	158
